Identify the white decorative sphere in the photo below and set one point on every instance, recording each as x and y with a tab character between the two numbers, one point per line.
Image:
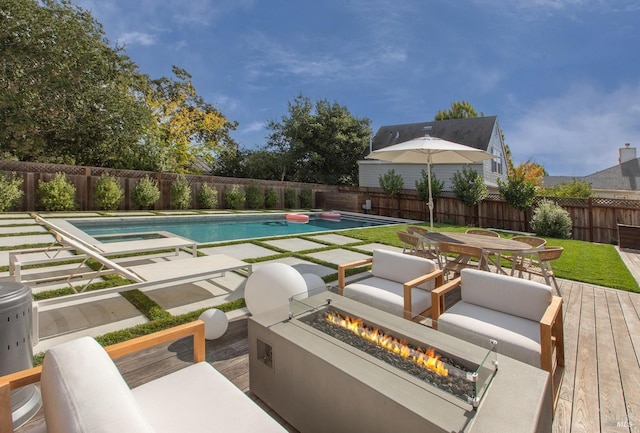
313	281
215	323
271	285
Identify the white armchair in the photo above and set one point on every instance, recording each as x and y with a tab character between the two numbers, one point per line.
400	284
523	316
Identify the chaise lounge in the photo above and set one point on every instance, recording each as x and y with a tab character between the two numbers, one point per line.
83	391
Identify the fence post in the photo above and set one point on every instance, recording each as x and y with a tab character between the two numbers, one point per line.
590	203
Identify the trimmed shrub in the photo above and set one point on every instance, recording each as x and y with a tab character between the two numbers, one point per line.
108	193
422	186
271	198
290	199
255	196
391	183
57	194
235	197
550	219
10	191
207	197
146	193
469	187
306	198
180	193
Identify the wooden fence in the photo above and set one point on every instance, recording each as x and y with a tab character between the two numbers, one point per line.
594	219
85	178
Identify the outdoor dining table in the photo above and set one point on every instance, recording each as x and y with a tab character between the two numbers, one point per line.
493	248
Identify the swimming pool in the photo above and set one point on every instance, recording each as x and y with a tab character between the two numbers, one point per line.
210	228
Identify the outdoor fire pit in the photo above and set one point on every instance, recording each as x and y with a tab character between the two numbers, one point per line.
328	364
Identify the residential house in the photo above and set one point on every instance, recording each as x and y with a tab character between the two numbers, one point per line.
621	181
479	132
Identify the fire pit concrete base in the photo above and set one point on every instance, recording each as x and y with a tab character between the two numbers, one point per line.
319	384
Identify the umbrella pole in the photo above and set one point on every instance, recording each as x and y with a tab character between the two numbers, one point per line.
430	204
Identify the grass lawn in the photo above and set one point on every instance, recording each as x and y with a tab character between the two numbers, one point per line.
586	262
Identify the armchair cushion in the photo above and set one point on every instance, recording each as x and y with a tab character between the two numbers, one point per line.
517	297
83	391
387	295
517	337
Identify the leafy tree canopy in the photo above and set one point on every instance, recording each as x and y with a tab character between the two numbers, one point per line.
69	97
469	186
577	188
518	191
458	110
318	143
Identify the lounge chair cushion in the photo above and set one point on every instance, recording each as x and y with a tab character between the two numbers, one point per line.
399	267
517	337
83	391
200	399
517	297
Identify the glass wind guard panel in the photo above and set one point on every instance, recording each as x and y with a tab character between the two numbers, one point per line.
307	301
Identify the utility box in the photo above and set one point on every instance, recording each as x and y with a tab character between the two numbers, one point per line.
16	352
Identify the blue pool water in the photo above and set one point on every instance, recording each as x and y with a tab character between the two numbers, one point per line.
220	228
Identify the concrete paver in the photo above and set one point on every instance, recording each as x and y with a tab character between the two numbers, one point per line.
17	241
335	239
376	246
14	215
295	244
338	256
20	221
7	230
302	266
240	251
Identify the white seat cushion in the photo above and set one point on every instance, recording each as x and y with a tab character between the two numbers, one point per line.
517	338
387	295
401	268
200	399
83	391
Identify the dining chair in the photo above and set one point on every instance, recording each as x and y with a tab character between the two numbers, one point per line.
535	243
458	257
415	245
483	232
542	265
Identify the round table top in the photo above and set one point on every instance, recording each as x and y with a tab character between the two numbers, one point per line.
478	241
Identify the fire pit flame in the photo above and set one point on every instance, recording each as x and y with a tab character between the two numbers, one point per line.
427	359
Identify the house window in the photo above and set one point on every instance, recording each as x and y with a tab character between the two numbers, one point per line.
496	163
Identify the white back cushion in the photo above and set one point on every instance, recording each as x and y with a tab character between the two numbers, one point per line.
511	295
400	267
83	391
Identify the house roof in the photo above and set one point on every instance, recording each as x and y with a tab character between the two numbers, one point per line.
475	132
621	177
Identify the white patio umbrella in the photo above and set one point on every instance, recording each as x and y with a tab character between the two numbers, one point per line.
430	150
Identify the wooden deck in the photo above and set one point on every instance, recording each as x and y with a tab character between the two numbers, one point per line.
600	389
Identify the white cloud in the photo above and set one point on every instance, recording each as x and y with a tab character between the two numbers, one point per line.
253	127
577	133
137	38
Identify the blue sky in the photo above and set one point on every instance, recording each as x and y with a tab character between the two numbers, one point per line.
561	75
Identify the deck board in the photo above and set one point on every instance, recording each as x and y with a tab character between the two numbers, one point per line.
600	389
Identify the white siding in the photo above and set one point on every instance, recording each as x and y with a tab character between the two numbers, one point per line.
371	170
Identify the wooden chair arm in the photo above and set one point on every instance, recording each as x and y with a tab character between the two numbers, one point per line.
437	299
195	328
22	378
344	267
437	275
551	333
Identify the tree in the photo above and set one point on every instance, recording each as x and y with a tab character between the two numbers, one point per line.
391	183
531	171
422	186
458	110
518	191
319	142
186	127
577	188
67	96
469	187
